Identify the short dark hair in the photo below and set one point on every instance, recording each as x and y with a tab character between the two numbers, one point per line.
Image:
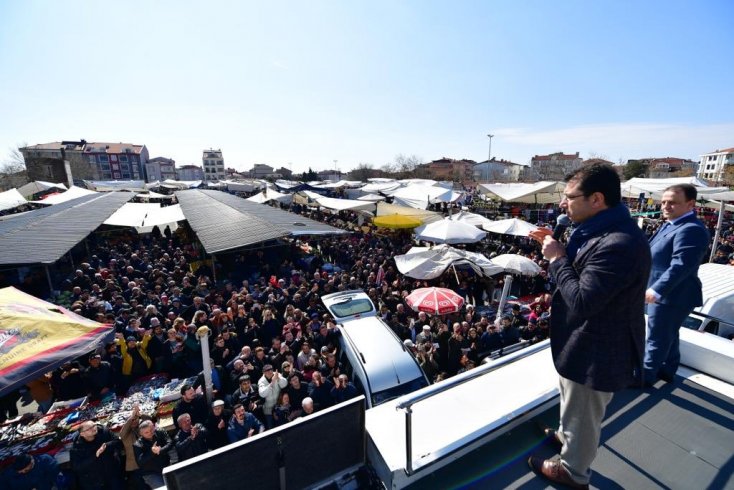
598	177
186	387
688	190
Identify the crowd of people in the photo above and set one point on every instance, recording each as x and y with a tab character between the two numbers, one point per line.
273	346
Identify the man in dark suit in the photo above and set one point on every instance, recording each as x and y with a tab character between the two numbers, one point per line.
674	288
598	324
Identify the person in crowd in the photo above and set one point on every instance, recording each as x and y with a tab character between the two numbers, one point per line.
243	424
41	392
216	425
99	378
674	288
192	403
135	359
598	324
151	453
31	472
307	407
269	387
343	389
319	390
282	412
128	436
94	458
191	439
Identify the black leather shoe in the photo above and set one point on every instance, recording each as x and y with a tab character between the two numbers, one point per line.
554	471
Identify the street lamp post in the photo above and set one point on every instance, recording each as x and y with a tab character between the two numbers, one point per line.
489	157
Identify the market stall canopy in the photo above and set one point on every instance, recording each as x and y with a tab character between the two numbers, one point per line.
419	196
396	222
154	195
375	187
115	185
470	218
345	204
371	197
270	195
511	226
434	301
431	262
37	337
38	186
384	209
11	199
224	222
144	216
543	192
181	184
74	192
43	236
654	187
244	186
449	231
516	264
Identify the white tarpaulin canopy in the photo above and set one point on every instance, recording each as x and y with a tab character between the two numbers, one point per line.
431	262
270	195
654	187
540	192
375	187
38	186
371	197
74	192
344	204
419	196
181	184
11	199
116	185
244	186
144	216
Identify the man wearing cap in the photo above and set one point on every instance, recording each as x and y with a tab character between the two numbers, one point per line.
216	425
135	359
269	387
29	471
99	377
425	335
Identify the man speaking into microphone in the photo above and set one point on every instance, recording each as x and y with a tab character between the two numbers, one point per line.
597	315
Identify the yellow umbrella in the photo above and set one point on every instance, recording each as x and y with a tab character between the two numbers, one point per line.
396	221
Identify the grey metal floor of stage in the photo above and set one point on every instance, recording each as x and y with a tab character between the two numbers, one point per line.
675	435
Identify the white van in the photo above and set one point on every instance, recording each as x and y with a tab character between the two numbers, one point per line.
373	357
716	315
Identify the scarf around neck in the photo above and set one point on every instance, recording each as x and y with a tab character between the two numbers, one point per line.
597	225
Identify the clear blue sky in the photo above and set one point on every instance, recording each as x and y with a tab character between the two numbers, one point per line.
310	82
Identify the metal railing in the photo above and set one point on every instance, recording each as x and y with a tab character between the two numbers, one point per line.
409	400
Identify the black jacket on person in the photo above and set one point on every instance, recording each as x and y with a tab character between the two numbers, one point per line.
93	472
188	447
147	460
217	437
99	378
196	408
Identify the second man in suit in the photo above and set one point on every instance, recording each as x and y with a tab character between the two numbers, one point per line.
674	288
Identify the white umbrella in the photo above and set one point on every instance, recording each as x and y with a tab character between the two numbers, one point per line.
448	231
516	264
512	226
470	218
512	264
431	262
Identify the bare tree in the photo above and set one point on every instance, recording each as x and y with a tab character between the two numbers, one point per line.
12	169
363	172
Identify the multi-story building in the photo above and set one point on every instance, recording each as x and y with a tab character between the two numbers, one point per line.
497	171
213	165
330	175
85	160
554	166
190	173
713	165
451	170
160	168
261	171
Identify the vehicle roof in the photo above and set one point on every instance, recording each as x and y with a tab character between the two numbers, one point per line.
717	282
385	359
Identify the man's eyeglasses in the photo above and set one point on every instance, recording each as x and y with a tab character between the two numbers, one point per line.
566	197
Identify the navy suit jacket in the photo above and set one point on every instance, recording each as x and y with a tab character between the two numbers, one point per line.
597	310
677	252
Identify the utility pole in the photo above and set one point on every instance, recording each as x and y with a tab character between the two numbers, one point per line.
489	157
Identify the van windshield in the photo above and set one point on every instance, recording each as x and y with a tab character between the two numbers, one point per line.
350	307
397	391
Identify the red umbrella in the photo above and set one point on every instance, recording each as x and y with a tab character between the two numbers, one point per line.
436	301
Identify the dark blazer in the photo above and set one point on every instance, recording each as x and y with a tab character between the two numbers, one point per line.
597	310
677	252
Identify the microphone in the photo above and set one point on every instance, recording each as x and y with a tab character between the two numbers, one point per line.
562	223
